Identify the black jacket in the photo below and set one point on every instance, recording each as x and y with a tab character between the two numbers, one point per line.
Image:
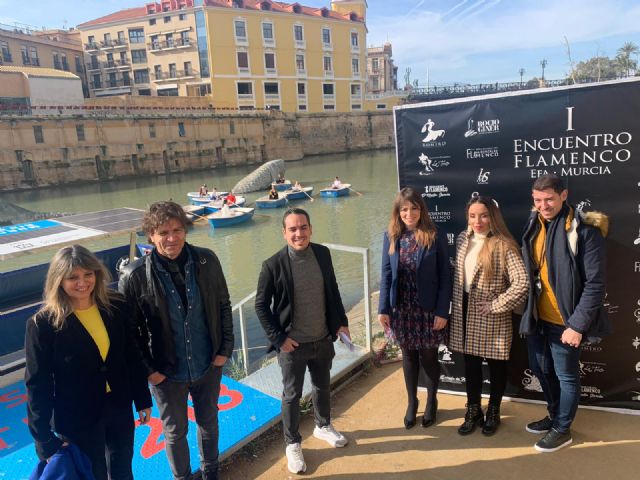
66	376
143	289
276	284
577	272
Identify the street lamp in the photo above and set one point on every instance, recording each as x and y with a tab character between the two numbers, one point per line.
543	64
521	72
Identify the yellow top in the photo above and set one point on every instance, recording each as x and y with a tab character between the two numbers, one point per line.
547	303
93	323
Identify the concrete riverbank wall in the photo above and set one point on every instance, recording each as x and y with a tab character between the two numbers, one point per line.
41	151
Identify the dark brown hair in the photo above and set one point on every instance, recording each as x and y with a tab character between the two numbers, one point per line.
160	213
549	181
295	211
425	230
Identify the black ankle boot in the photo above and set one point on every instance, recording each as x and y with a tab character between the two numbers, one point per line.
410	416
492	421
429	417
472	419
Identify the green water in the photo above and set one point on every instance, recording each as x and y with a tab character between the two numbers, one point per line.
353	220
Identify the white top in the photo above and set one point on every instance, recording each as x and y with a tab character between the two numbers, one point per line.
337	184
476	242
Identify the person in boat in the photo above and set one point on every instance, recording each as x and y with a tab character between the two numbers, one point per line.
299	306
490	281
231	198
182	312
225	210
337	184
415	294
213	195
273	193
280	178
83	367
203	190
297	187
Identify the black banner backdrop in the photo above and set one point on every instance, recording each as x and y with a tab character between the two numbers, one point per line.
498	145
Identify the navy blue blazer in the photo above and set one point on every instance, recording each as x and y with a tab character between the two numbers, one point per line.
434	277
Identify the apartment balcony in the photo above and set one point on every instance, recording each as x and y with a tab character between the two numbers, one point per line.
355	75
301	72
177	75
114	44
176	43
33	62
328	74
329	98
117	64
301	44
92	47
111	84
327	47
271	72
272	98
94	66
302	98
355	48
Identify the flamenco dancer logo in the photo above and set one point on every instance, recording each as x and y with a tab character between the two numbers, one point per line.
530	382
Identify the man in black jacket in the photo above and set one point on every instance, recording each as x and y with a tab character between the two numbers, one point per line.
300	308
183	314
564	252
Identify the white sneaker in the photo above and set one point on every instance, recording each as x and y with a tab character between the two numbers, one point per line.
330	435
295	459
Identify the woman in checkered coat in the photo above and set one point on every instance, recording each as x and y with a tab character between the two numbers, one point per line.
489	282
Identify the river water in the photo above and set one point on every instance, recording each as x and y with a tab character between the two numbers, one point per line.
353	220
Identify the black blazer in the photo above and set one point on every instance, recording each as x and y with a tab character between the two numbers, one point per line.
65	374
276	284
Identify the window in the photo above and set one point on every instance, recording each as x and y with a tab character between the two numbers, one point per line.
113	81
181	130
121	39
381	106
300	62
267	32
354	39
302	108
245	88
123	58
356	90
157	72
155	43
355	66
302	89
374	64
356	106
270	62
330	107
241	30
243	61
169	38
56	61
271	88
184	38
33	53
97	81
6	53
187	69
80	132
182	16
107	39
78	61
326	36
110	60
167	19
173	72
152	21
146	92
25	55
298	33
141	76
65	63
126	78
152	130
138	56
328	67
37	134
136	35
327	89
375	83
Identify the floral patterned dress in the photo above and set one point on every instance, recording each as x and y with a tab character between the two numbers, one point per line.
411	326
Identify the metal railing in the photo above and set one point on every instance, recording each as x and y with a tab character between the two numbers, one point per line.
239	307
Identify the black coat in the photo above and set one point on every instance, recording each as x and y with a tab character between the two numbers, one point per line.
275	284
66	376
143	289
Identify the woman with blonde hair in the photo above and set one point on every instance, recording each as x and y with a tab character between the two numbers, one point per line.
489	282
415	293
83	367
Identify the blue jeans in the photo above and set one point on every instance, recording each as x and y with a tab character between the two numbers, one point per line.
557	366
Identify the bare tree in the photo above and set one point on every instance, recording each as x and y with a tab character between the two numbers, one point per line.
572	65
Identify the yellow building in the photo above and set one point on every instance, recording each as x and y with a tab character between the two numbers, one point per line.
24	46
246	54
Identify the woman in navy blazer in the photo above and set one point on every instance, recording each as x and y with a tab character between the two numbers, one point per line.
83	367
415	294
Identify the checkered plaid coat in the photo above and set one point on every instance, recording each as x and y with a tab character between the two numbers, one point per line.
487	336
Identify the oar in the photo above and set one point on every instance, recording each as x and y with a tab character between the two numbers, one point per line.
358	193
310	197
200	217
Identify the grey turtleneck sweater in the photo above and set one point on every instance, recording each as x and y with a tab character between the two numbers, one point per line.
309	311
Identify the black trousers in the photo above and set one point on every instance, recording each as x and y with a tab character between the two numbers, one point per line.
109	442
318	357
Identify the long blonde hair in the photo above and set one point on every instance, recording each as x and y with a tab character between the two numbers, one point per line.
425	231
499	239
57	303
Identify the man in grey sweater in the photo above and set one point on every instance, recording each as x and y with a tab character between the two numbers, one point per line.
300	308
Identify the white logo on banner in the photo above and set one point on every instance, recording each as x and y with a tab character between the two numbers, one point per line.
431	163
636	397
436	191
482	127
483	152
636	343
451	238
432	135
531	382
638	367
572	155
636	313
445	355
637	240
607	304
636	267
483	177
439	216
583	204
591	367
590	392
456	380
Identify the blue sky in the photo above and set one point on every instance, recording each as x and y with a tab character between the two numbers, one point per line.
464	41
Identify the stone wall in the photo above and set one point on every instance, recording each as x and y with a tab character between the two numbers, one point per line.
44	151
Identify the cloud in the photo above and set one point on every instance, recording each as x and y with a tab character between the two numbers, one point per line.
447	41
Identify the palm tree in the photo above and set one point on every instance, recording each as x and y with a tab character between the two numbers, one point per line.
624	57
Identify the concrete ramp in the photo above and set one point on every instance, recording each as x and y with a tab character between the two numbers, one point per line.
261	178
